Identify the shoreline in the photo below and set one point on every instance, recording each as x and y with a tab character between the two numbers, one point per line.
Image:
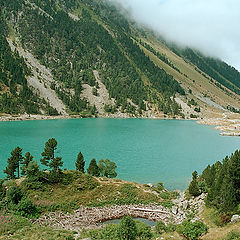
228	125
31	117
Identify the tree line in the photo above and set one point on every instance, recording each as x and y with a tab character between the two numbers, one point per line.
221	182
19	165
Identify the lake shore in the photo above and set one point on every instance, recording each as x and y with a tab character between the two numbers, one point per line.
228	124
28	117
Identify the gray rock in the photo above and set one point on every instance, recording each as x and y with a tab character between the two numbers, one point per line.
185	205
235	218
175	210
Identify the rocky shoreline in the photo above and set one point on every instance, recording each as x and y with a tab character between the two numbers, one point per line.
228	126
93	217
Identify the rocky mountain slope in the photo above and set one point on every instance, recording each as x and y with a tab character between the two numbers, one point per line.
86	58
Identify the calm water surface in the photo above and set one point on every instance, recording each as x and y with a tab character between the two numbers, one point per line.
145	151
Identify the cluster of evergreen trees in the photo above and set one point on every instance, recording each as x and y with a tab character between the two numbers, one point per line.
222	183
26	166
100	40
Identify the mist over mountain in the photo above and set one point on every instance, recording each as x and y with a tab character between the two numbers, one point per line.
207	25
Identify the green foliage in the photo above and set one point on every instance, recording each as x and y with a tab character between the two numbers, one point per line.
160	227
215	68
127	229
223	183
233	235
2	189
193	187
27	159
144	232
80	163
107	168
14	194
51	161
72	49
93	168
192	230
26	208
32	170
159	188
14	163
110	232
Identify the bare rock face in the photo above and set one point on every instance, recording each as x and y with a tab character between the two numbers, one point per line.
235	218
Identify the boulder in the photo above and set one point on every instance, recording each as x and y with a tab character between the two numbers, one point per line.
185	205
175	210
235	218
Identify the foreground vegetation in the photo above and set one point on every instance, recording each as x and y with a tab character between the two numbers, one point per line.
29	192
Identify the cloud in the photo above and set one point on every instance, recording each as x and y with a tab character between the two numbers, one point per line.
211	26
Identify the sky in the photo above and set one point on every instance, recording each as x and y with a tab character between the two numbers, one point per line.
211	26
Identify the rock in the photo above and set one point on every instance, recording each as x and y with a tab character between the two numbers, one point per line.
175	210
150	185
185	205
235	218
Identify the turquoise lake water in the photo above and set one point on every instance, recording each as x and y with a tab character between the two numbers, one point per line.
145	151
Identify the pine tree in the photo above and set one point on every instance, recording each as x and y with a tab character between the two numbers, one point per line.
93	168
193	186
80	163
28	158
49	158
14	163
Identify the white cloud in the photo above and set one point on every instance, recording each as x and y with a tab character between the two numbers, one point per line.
212	26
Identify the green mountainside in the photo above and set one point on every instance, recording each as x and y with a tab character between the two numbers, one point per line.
100	63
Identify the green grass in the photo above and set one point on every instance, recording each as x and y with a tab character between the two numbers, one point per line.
81	189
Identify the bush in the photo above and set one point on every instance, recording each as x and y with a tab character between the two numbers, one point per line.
26	208
171	227
144	232
2	189
110	232
14	194
160	227
127	229
192	230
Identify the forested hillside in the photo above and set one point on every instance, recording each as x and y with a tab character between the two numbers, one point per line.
80	40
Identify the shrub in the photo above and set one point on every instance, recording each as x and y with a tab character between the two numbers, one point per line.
171	227
110	232
14	194
144	232
192	230
160	227
127	229
26	208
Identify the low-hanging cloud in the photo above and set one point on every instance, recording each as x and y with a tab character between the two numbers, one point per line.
211	26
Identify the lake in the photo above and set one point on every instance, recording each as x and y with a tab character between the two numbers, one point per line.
145	151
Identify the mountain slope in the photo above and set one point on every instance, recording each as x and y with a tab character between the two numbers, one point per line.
100	63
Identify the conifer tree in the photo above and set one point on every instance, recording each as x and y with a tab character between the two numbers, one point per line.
14	163
49	158
193	186
93	168
80	163
28	158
